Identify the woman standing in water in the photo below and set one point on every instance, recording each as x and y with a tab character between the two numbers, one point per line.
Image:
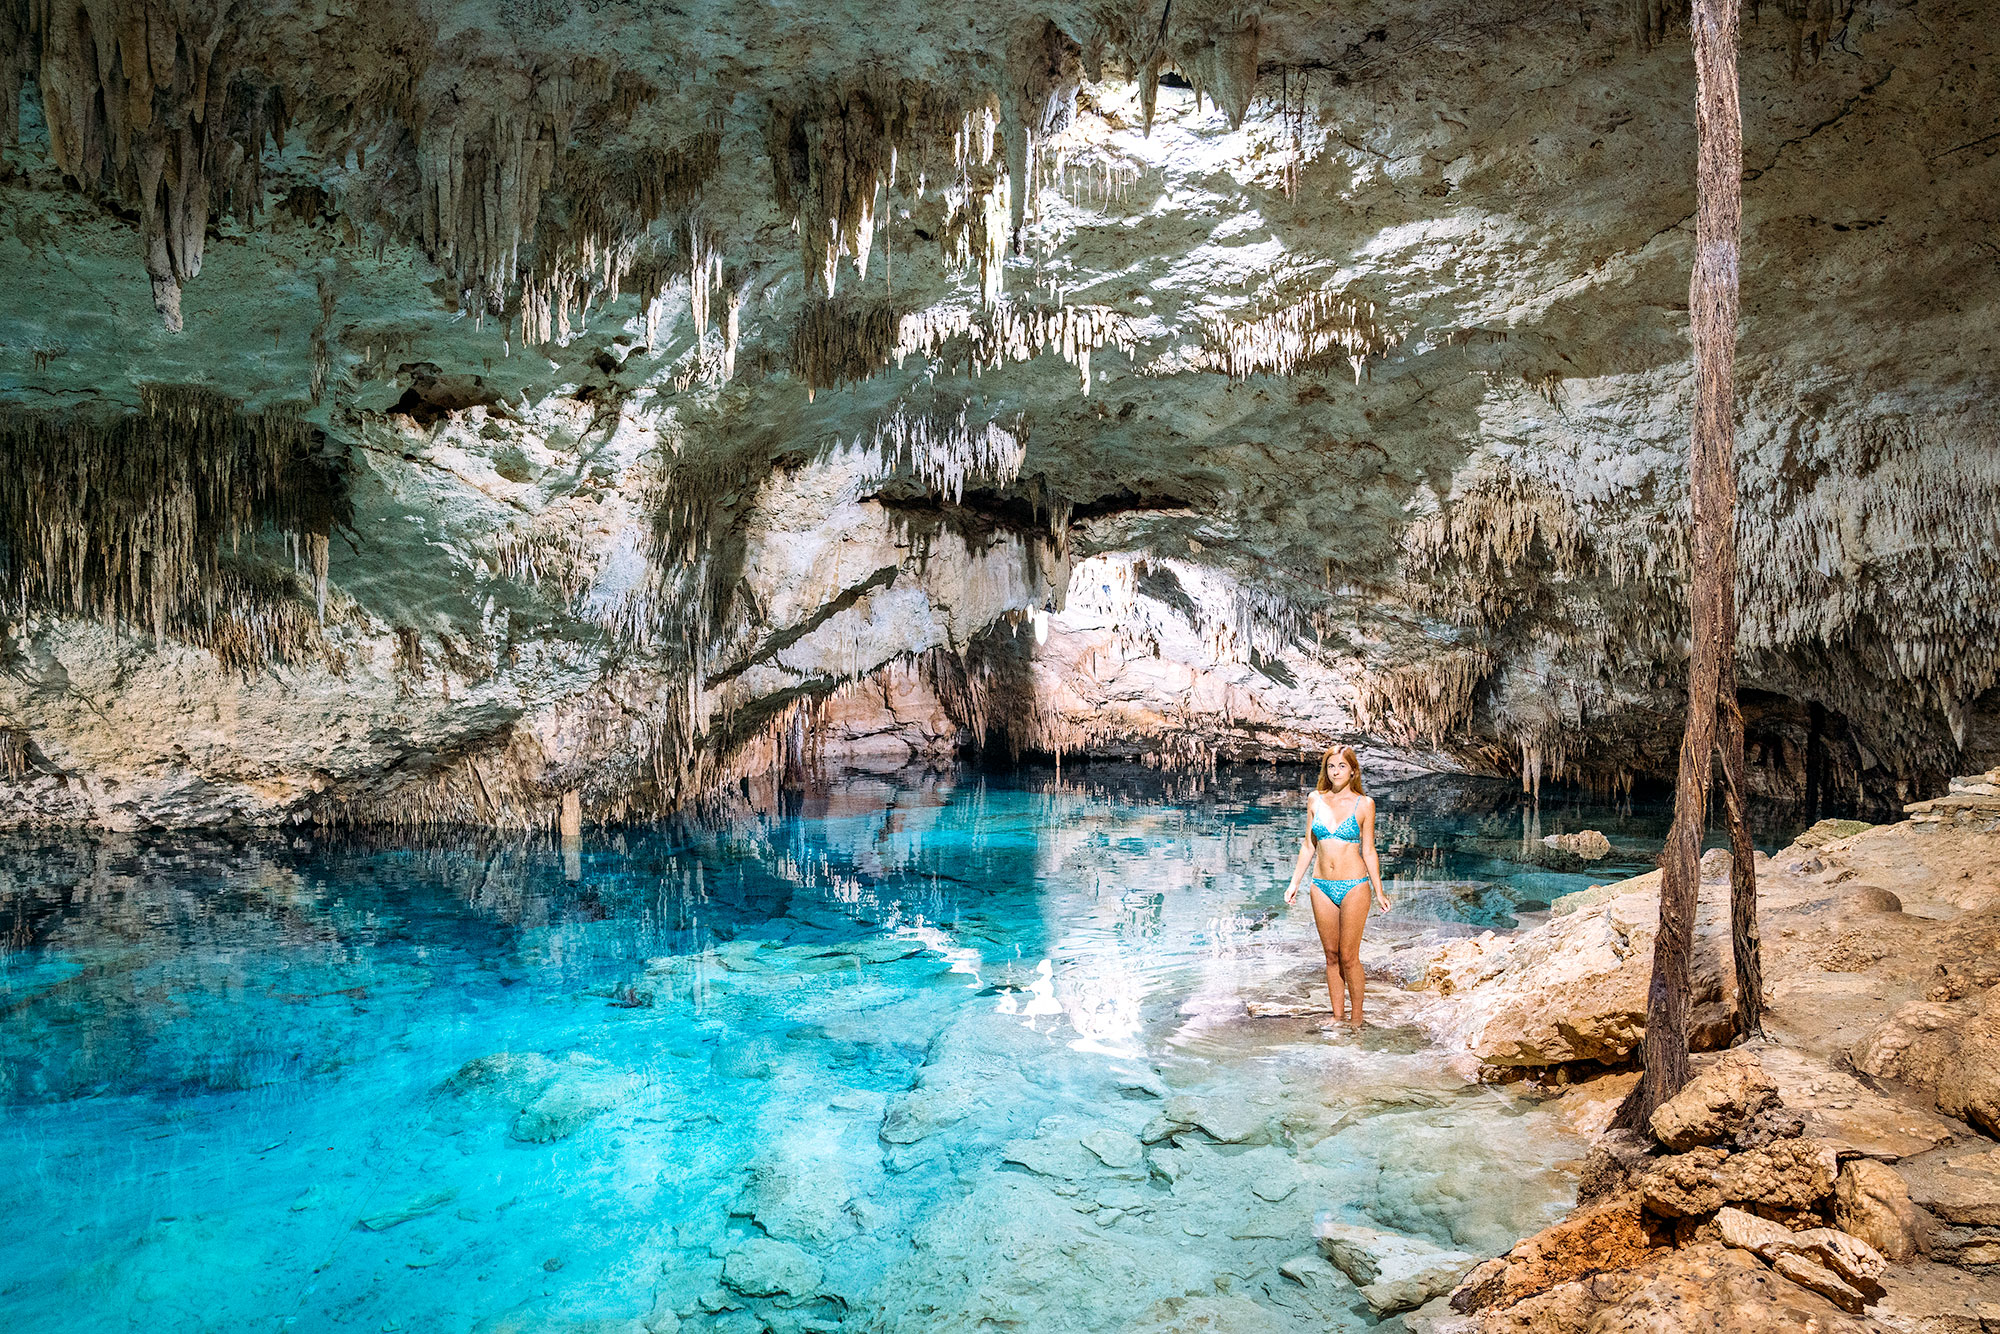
1339	849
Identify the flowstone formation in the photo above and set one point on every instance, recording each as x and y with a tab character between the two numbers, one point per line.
629	401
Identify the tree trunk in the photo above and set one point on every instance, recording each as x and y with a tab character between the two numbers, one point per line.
1748	1017
1711	479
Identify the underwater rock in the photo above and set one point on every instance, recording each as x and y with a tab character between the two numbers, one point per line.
1114	1147
1716	1103
551	1099
1049	1158
752	1058
1394	1272
800	1188
923	1112
761	1267
414	1207
1225	1120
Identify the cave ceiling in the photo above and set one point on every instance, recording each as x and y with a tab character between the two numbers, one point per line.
1377	307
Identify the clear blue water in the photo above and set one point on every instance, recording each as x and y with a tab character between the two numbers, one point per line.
828	1068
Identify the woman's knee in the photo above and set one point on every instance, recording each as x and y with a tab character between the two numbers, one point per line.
1335	958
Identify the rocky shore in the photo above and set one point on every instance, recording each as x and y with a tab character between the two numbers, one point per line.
1841	1175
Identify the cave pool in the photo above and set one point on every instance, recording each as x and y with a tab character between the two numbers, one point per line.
832	1067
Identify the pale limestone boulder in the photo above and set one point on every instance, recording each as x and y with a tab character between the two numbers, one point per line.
1852	1258
1575	989
1716	1103
1871	1202
1847	1114
1589	844
1394	1272
1957	1186
1818	1278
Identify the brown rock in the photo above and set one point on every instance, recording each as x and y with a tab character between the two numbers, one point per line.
1821	1280
1685	1185
1716	1103
1872	1202
1787	1174
1707	1287
1849	1115
1609	1236
1770	1126
1950	1050
1615	1161
1959	1186
1871	899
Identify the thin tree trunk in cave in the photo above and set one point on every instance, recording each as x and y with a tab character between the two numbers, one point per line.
1815	758
1745	945
1712	305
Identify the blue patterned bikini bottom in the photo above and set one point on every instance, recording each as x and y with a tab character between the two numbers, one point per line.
1336	890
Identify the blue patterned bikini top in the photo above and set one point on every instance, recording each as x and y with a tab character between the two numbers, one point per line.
1348	832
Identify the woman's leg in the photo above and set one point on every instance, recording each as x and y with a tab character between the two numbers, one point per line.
1326	918
1353	914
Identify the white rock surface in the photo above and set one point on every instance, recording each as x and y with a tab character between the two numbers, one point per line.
1394	1272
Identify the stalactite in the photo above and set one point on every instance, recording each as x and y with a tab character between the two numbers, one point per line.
833	150
127	518
1425	700
143	99
1214	45
839	341
1295	336
956	338
942	450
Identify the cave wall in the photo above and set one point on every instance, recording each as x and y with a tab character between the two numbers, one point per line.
720	391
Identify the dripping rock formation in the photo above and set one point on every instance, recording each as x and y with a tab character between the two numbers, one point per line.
429	410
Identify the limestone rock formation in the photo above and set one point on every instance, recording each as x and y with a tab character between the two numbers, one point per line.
1951	1049
1394	1272
1590	844
1716	1104
723	391
1872	1202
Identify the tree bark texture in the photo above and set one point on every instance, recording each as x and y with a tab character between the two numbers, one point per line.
1745	943
1712	308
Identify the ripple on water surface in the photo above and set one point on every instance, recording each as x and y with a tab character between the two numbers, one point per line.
939	1056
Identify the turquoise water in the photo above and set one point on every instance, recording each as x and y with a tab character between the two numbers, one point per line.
837	1067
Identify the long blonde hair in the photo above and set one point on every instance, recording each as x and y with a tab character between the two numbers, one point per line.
1353	770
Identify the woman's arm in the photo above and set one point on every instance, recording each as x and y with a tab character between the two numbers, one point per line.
1368	854
1305	859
